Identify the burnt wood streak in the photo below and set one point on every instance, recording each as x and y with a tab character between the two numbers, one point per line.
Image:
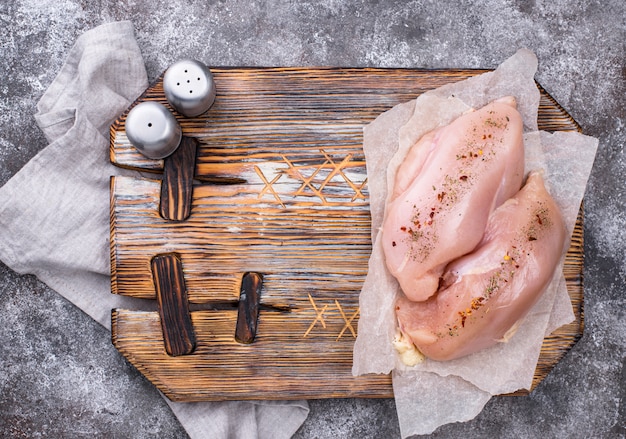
248	308
177	183
169	283
285	144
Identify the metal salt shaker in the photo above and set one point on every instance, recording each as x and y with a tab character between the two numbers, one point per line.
189	87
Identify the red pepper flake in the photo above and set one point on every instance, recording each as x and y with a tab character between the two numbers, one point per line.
532	238
432	214
539	220
393	243
463	317
440	196
463	178
403	228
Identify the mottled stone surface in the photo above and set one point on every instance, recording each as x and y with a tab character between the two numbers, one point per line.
60	375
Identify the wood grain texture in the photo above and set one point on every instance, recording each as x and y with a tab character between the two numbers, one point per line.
169	283
220	368
281	190
177	182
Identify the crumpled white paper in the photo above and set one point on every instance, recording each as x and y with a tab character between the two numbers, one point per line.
435	393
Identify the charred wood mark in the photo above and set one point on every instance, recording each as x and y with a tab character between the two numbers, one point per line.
169	282
248	309
177	184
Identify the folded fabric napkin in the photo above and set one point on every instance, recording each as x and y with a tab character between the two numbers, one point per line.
54	213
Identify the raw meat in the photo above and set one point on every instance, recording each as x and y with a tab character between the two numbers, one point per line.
484	294
444	191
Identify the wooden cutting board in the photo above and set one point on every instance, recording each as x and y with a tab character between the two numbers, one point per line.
280	191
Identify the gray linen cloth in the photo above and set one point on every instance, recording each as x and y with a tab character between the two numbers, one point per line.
54	213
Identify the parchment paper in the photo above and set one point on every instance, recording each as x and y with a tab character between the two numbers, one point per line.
435	393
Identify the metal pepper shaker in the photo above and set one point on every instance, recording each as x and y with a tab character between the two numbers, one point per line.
153	130
189	87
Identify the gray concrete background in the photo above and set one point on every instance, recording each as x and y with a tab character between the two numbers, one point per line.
60	375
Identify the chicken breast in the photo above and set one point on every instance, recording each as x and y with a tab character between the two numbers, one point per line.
485	293
444	191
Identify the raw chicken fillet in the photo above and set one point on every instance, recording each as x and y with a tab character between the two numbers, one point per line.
471	251
451	180
485	293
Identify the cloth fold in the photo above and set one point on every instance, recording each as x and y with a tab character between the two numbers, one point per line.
54	213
